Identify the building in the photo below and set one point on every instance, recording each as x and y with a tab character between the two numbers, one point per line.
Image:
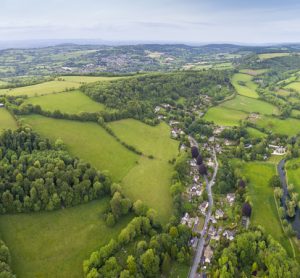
203	207
219	214
230	197
208	254
1	105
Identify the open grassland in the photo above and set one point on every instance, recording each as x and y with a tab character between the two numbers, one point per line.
41	89
150	140
6	120
287	126
293	173
88	79
150	179
266	56
294	86
224	117
295	113
72	102
253	72
255	133
88	141
244	85
250	105
264	212
54	244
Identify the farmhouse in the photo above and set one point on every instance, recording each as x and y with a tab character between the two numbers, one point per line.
208	253
278	150
157	109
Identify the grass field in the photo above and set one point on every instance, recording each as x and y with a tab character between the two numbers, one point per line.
255	133
249	87
88	79
293	173
288	126
6	120
250	105
41	89
264	212
266	56
253	72
69	102
224	117
54	244
294	86
88	141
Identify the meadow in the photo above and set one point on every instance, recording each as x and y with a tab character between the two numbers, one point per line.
72	102
248	88
293	173
88	141
250	105
253	72
264	211
6	120
255	133
287	126
294	86
225	117
266	56
87	79
54	244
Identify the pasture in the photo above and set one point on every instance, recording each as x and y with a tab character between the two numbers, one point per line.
72	102
293	173
287	126
250	105
255	133
225	117
266	56
87	79
244	85
6	120
253	72
88	141
264	211
294	86
54	244
41	89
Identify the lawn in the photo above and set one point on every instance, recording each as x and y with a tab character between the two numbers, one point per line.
264	211
250	105
255	133
293	173
225	117
150	140
294	86
88	141
72	102
54	244
248	89
266	56
6	120
41	89
287	126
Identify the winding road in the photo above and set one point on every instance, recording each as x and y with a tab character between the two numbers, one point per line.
201	242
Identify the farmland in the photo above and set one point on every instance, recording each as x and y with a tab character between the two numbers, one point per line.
72	102
6	120
293	173
255	133
294	86
40	242
244	85
266	56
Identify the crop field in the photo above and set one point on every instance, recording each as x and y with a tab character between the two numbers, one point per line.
88	141
255	133
294	86
293	173
225	117
264	212
54	244
288	126
250	105
244	85
41	89
72	102
6	120
266	56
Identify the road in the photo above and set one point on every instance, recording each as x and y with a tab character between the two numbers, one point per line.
201	242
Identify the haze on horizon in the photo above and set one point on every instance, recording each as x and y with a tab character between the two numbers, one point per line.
194	21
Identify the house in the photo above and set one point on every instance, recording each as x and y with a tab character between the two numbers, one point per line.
174	133
172	123
203	207
193	163
157	109
278	150
208	254
248	146
182	148
194	242
1	105
212	231
213	220
229	234
230	197
185	219
219	214
211	139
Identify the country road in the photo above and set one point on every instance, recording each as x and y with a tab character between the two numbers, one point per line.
201	242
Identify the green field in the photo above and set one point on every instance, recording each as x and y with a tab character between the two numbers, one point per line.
255	133
224	117
266	56
250	105
249	87
295	113
6	120
72	102
287	126
88	79
293	173
264	212
41	89
88	141
253	72
54	244
294	86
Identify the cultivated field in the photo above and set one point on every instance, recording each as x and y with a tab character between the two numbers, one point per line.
225	117
54	244
6	120
72	102
244	85
88	141
250	105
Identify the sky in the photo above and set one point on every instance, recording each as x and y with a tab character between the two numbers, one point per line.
186	21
